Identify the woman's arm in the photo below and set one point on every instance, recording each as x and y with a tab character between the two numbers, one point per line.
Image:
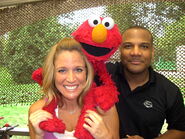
112	122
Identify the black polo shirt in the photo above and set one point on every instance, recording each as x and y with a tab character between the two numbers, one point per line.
143	110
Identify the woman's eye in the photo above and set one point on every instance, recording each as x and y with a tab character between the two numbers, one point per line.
62	70
78	70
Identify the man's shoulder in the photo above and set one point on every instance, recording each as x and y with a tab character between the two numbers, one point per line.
164	80
169	88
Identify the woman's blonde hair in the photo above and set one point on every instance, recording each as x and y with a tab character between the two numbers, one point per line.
48	87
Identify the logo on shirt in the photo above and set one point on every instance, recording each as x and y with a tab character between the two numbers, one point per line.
148	104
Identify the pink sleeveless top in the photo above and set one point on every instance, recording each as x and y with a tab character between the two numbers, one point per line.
66	135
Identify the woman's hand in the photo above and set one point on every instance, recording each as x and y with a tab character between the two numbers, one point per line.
95	125
37	117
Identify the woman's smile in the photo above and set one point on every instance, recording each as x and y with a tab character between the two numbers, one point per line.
70	87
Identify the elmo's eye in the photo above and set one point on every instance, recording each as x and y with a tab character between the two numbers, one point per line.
94	21
108	22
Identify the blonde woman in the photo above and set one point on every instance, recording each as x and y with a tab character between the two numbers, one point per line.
67	81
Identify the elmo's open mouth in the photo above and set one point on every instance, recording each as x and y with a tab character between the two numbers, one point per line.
94	50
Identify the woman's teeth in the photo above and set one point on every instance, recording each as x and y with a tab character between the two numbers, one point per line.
71	87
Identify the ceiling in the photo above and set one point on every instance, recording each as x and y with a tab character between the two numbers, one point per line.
10	3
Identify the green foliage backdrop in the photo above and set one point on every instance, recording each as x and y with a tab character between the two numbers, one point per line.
26	47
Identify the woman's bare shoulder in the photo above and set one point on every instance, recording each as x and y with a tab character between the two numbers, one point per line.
37	105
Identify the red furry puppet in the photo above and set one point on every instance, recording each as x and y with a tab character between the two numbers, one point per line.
100	38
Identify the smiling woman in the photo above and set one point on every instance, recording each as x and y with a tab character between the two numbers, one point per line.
68	107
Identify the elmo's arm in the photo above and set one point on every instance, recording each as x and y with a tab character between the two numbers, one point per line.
106	95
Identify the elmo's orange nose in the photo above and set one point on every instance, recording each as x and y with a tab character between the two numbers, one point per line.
99	34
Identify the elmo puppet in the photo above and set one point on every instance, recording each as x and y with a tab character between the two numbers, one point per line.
100	38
